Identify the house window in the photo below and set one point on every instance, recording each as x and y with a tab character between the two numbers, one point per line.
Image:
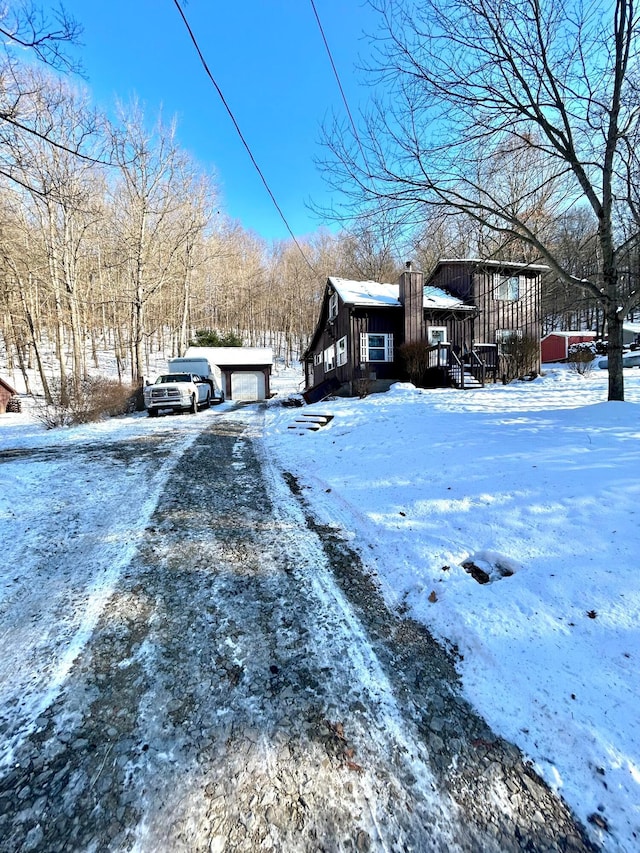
329	358
333	306
317	359
374	347
503	336
506	288
437	335
341	348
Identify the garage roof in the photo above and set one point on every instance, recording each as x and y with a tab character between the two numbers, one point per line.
233	356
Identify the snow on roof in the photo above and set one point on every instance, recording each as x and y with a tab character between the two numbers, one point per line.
577	333
372	293
436	297
367	293
484	263
631	327
223	356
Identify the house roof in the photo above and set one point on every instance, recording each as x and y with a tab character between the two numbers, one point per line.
366	293
7	386
481	262
436	297
375	295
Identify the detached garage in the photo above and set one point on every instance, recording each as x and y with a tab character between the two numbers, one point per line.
555	345
244	372
247	385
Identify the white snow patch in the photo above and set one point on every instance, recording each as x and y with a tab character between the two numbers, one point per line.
537	483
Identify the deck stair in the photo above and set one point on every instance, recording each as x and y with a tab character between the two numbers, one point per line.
310	423
470	381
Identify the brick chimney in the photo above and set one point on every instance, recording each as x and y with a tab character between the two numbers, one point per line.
411	296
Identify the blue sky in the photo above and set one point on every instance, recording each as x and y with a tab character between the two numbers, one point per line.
269	60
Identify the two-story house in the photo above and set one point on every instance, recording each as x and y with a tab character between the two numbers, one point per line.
464	313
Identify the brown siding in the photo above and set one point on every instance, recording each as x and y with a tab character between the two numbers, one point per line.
456	278
381	321
521	313
460	328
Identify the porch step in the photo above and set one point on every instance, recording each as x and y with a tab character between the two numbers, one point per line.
310	423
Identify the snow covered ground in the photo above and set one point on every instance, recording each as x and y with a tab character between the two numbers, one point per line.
536	483
538	479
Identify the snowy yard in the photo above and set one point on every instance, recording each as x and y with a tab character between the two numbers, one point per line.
536	483
541	479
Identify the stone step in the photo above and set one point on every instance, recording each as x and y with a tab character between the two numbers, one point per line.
310	422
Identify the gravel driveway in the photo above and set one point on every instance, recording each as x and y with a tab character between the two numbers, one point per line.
245	689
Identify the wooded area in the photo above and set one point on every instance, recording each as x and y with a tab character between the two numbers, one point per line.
132	256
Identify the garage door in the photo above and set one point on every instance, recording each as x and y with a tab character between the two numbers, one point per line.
247	386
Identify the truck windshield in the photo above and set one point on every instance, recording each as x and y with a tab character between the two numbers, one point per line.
173	377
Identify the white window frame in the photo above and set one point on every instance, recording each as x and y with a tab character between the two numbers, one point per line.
317	359
366	347
333	306
330	358
506	288
431	329
341	350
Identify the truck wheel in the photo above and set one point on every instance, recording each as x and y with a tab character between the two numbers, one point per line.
194	405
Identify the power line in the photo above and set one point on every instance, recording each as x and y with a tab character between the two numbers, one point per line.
240	134
337	76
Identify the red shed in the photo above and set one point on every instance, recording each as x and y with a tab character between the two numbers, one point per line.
555	345
6	393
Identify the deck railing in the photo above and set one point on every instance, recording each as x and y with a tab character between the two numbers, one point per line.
479	363
477	367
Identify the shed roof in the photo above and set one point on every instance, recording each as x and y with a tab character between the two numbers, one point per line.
6	385
577	333
232	356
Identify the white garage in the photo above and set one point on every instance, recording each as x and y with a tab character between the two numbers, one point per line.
243	372
247	385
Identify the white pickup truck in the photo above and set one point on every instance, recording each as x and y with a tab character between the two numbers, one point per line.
180	392
199	367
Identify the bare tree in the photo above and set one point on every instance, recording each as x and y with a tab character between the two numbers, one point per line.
47	35
370	250
149	227
60	188
511	112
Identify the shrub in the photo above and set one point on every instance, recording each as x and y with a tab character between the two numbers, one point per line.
211	338
415	357
519	358
362	386
89	400
580	357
